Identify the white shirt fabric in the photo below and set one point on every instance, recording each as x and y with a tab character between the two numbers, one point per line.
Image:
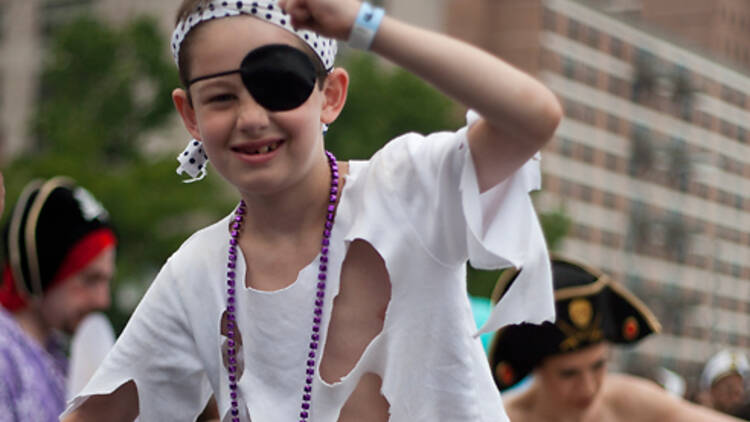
416	201
92	340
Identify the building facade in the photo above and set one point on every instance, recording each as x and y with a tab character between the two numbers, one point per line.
651	162
25	26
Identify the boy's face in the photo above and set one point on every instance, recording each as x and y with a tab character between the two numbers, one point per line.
575	379
257	150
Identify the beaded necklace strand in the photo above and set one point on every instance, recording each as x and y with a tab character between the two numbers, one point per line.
319	297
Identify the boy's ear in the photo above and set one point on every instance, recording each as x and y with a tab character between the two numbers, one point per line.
185	108
334	90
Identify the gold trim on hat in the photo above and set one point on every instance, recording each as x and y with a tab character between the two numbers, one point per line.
649	316
14	243
31	222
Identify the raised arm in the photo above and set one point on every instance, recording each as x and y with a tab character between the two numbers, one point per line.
518	113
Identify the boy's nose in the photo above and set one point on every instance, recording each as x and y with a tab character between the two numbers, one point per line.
589	385
101	297
251	114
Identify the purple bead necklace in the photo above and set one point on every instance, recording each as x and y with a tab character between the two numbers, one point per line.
239	216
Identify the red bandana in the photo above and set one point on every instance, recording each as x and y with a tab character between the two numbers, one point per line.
79	256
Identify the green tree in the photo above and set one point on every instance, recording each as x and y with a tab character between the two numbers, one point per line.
385	102
102	90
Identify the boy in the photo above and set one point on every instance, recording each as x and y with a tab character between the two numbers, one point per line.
305	293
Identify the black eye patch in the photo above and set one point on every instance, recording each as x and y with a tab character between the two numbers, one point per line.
278	76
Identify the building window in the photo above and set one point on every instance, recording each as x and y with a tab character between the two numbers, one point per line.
642	153
727	129
550	20
588	154
566	147
593	38
58	12
569	68
610	162
586	193
646	75
591	74
680	164
640	227
683	92
609	239
615	47
613	123
609	200
676	236
574	28
589	116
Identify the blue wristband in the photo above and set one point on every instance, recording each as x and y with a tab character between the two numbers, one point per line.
365	27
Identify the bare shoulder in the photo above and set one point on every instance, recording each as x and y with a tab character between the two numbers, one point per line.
616	384
635	398
519	406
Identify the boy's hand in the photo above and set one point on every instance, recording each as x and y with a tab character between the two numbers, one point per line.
330	18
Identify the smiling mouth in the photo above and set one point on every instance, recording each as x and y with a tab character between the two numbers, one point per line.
265	149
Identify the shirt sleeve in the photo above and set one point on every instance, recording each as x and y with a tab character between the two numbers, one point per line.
156	350
7	407
434	179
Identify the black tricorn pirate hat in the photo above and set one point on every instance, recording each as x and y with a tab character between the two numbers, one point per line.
590	307
49	217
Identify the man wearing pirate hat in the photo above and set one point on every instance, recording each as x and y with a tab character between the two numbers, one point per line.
569	357
58	262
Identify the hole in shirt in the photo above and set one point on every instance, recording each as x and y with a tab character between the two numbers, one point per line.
367	403
235	360
358	310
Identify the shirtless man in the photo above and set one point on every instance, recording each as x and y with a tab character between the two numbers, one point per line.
569	358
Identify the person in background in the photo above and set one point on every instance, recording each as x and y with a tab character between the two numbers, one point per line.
568	358
59	259
723	381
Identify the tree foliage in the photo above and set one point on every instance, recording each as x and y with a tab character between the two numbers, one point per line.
385	102
102	90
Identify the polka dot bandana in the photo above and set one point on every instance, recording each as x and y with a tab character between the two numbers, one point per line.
267	10
193	161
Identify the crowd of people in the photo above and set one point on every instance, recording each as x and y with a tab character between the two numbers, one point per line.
333	291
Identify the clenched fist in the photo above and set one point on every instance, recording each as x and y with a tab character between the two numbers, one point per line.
330	18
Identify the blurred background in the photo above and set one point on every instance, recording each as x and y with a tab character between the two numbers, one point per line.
648	177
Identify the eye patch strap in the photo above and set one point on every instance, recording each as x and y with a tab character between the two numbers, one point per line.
213	75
